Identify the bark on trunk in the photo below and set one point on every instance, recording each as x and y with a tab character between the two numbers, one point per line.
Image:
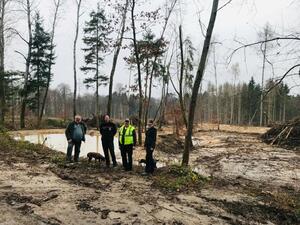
181	100
261	122
115	59
136	52
199	76
27	69
2	74
75	59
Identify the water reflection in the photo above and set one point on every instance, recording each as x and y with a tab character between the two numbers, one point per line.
58	142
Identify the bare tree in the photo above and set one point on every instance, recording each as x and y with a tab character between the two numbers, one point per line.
27	7
216	83
169	9
236	71
57	5
116	54
137	58
266	34
78	3
65	91
198	79
3	5
181	100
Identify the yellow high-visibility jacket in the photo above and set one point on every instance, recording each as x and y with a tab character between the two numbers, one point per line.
129	135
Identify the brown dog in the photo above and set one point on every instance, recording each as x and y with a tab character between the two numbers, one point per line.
96	156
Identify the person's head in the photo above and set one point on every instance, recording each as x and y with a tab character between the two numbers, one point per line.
77	119
150	123
126	122
106	118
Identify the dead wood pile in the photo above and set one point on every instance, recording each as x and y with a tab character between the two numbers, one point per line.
287	134
170	143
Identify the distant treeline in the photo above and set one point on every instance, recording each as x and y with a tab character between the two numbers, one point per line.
228	104
240	104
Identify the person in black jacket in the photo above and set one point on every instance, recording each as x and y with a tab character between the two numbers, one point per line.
150	142
75	134
108	131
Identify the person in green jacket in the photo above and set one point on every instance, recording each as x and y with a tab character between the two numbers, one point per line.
127	139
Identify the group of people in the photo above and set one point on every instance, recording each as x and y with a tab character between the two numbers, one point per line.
75	134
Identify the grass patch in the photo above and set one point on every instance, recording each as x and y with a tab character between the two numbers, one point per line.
177	179
12	150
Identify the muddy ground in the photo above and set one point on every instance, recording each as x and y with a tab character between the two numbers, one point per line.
244	181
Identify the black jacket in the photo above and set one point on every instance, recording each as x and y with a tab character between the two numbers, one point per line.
150	140
70	130
108	131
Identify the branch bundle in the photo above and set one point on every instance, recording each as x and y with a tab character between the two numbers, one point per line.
287	135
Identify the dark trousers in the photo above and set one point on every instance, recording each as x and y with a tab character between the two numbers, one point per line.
109	145
70	149
126	153
149	161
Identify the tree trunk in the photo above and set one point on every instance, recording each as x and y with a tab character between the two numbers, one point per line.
2	71
65	104
149	99
232	101
240	108
136	52
75	58
261	122
14	105
198	79
146	103
169	12
27	69
217	94
115	59
38	93
284	109
97	77
57	5
165	91
181	100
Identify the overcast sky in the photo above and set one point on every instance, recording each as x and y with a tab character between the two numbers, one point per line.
241	20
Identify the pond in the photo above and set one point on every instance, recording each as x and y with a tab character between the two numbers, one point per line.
58	142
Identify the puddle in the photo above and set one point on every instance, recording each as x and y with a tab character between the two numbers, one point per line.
58	142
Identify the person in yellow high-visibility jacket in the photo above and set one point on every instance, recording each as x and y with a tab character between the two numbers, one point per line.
127	139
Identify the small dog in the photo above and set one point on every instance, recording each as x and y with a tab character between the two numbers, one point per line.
143	161
96	156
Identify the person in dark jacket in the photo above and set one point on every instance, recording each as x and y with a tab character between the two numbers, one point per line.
75	134
108	131
149	145
127	139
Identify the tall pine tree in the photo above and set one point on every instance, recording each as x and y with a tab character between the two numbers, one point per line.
96	38
42	55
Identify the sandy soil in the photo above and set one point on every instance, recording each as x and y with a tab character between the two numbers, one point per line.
251	183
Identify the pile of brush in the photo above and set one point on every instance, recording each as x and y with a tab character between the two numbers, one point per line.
287	134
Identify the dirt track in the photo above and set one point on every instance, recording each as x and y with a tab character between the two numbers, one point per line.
252	183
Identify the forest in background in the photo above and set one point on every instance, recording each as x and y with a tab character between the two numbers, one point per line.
161	58
228	104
